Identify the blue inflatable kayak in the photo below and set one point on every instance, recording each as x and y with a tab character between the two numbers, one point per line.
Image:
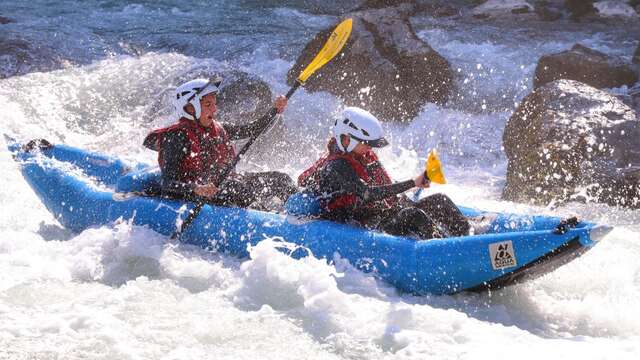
84	189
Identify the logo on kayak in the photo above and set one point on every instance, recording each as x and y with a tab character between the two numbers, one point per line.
122	196
502	255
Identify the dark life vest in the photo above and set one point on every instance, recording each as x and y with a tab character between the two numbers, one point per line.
366	166
196	164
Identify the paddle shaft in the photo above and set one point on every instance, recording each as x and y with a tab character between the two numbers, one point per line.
273	112
416	195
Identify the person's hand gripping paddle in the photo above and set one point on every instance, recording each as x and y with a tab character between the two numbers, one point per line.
432	171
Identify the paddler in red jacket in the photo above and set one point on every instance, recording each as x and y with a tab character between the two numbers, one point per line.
353	186
193	152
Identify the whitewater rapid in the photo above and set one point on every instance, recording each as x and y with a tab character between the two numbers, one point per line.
125	292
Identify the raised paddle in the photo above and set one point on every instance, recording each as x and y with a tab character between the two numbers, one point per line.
331	48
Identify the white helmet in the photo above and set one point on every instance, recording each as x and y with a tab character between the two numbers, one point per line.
192	92
361	126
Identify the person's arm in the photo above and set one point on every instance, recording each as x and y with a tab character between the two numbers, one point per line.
375	193
339	176
174	149
238	132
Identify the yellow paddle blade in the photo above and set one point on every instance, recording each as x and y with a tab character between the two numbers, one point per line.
433	168
330	49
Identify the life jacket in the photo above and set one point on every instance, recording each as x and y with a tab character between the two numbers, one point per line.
366	166
197	165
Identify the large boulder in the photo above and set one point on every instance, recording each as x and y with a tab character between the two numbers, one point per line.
325	7
580	8
243	98
548	10
19	56
569	140
379	4
437	9
384	66
585	65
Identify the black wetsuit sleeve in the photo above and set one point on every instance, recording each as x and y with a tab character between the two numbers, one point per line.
375	193
238	132
174	149
339	177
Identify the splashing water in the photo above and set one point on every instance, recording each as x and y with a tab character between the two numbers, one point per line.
123	291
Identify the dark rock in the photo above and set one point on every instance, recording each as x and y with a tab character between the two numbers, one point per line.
547	11
481	16
325	7
585	65
4	20
437	9
19	57
379	4
636	56
580	8
520	10
13	53
384	66
568	140
243	98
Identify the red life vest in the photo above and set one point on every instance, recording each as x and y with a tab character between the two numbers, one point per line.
366	166
196	165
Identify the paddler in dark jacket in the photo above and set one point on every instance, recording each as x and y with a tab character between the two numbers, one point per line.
353	186
194	152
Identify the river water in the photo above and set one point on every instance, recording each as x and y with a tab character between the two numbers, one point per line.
125	292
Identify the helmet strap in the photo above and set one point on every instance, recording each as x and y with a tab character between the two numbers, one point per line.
189	114
197	108
352	143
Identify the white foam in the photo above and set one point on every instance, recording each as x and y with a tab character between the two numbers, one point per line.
612	8
501	6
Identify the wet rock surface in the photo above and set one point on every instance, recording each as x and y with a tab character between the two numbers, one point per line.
18	57
243	98
329	7
585	65
549	10
384	67
568	140
580	8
